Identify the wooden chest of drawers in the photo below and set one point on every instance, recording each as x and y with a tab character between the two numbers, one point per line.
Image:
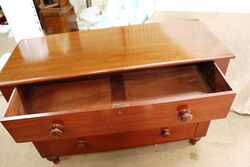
116	88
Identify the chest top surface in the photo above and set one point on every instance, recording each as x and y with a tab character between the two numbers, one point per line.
110	50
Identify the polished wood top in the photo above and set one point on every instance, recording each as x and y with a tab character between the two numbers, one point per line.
109	50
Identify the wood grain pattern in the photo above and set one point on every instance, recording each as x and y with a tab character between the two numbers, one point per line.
153	106
118	95
36	127
108	50
116	88
115	141
142	87
214	77
91	94
201	129
164	83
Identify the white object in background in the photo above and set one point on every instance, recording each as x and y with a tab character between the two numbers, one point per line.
22	18
129	12
4	59
4	29
89	18
222	6
10	35
91	14
78	5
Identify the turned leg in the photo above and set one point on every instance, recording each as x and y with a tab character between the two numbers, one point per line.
194	140
201	131
54	159
45	152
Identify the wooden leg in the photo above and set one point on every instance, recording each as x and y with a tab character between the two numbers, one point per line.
193	141
54	159
201	129
44	150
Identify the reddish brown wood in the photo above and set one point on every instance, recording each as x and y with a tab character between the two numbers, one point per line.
15	105
45	152
43	149
81	144
150	108
35	127
63	3
159	85
56	130
165	132
223	64
7	92
108	50
88	95
118	95
55	160
201	129
116	88
213	76
118	140
163	83
185	115
58	20
193	141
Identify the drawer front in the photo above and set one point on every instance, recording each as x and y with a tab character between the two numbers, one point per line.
40	127
115	141
130	102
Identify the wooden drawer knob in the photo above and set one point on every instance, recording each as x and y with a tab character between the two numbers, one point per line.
185	115
81	144
56	130
165	133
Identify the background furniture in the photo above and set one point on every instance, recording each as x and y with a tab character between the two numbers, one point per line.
58	17
123	87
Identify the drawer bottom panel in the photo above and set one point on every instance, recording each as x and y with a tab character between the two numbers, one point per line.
114	141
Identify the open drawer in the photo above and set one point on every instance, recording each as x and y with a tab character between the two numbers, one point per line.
121	102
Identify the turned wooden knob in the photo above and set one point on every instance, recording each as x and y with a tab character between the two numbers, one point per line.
185	115
165	133
81	144
56	130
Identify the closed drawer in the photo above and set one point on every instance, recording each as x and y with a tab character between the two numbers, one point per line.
115	141
123	102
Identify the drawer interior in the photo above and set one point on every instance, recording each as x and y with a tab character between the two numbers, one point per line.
125	88
173	83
